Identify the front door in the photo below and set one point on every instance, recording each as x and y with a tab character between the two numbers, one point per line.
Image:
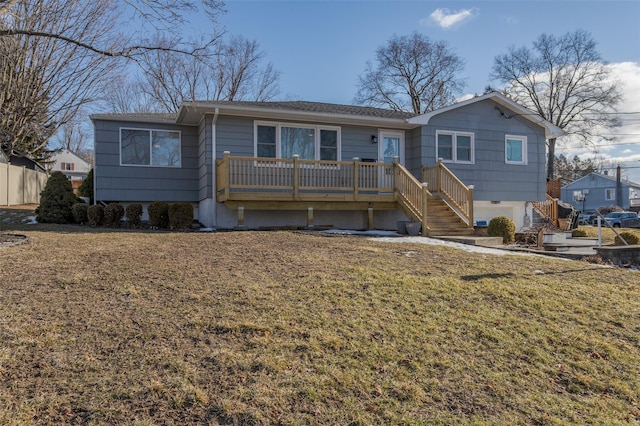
391	145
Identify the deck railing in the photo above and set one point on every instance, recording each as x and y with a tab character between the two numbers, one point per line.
295	178
455	193
281	179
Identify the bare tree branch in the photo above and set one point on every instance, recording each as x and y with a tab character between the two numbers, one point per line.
411	73
564	81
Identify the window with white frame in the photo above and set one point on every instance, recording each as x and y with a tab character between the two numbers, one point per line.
610	194
309	142
456	147
146	147
515	149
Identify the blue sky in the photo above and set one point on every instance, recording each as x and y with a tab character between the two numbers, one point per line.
321	47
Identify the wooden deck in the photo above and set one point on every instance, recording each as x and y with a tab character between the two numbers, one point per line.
249	183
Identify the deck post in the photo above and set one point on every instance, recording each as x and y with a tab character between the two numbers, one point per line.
471	189
439	176
356	173
369	217
296	176
240	216
425	192
309	217
396	176
223	176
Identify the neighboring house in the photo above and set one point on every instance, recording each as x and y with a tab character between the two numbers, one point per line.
596	190
492	150
72	165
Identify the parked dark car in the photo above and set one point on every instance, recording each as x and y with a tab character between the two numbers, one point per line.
623	219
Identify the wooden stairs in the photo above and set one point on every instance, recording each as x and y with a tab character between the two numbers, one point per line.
442	220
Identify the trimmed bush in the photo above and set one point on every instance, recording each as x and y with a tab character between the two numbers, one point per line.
629	237
95	215
79	212
159	214
504	227
56	200
134	214
113	214
86	188
578	233
181	216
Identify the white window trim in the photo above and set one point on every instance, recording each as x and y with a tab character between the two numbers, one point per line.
150	147
316	128
523	139
613	192
454	146
382	133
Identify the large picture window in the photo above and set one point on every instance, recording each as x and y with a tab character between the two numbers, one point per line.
142	147
456	147
515	149
309	142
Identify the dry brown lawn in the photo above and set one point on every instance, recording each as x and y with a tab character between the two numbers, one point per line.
257	328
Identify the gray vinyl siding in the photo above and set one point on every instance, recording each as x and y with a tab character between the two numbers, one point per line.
494	180
143	183
235	134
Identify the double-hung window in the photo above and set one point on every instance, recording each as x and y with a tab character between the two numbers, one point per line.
515	149
309	142
455	147
610	194
145	147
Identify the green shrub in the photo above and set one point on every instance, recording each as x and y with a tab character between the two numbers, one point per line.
159	214
181	216
134	214
95	215
504	227
86	189
578	233
56	200
113	214
79	212
629	237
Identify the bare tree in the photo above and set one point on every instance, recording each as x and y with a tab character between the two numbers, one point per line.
230	70
163	15
57	55
411	73
44	81
564	80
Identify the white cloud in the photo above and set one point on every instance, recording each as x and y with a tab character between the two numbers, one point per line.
512	20
446	19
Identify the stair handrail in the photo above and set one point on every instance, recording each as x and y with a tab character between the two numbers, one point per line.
548	209
453	191
411	195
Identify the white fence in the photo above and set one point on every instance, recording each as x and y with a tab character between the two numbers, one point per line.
19	185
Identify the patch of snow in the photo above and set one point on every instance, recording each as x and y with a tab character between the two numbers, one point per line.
460	246
370	233
205	230
30	220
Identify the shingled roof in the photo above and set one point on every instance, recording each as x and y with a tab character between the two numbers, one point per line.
316	107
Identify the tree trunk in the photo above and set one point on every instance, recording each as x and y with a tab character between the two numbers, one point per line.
550	158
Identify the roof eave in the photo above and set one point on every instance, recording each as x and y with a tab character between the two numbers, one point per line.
190	112
551	131
124	117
